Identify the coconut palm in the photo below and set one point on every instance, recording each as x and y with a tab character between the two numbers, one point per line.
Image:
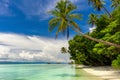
99	5
92	19
64	19
63	16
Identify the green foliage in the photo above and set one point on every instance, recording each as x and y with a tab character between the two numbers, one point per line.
80	51
88	52
83	50
64	18
115	38
97	4
92	19
110	28
116	63
64	50
102	22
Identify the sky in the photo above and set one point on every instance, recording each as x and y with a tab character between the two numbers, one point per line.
24	34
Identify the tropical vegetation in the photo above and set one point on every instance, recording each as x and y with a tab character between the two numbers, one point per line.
98	48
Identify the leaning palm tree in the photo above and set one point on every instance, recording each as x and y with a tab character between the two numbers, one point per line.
99	5
64	19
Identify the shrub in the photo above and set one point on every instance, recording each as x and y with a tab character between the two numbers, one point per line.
116	63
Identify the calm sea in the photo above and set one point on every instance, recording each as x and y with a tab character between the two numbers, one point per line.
43	72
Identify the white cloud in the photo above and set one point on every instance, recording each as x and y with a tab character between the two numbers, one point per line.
16	47
31	8
37	8
91	29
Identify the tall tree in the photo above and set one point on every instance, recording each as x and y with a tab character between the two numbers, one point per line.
63	16
64	19
99	5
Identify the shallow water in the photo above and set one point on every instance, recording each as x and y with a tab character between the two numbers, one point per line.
43	72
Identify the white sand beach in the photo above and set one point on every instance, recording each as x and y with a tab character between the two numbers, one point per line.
104	72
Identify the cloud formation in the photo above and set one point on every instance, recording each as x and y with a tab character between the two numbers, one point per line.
14	47
31	8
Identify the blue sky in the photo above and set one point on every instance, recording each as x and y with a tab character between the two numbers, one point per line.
30	17
26	22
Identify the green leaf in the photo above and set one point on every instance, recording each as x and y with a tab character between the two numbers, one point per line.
75	16
54	22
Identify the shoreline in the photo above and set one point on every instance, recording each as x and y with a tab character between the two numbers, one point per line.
103	72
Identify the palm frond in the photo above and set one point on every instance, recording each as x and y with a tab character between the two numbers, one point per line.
55	13
92	19
64	16
61	6
62	27
70	8
75	25
54	22
97	4
75	16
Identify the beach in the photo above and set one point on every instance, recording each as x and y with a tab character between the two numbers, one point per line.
104	72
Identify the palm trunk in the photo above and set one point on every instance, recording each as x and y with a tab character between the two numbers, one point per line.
98	40
107	11
68	32
104	42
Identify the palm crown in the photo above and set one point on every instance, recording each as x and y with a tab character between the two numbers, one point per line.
92	19
98	4
63	17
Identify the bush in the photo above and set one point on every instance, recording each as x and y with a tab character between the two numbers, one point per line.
116	63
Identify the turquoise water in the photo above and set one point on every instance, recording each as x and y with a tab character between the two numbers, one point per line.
43	72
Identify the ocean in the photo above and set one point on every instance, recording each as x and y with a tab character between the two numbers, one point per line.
43	72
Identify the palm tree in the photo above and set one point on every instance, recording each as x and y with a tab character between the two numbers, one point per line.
92	19
63	16
64	19
99	5
115	3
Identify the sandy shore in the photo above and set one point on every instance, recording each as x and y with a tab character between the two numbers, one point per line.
105	72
